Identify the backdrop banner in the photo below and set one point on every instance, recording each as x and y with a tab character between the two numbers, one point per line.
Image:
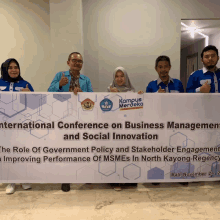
109	137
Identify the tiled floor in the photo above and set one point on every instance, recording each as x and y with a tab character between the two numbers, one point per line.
99	201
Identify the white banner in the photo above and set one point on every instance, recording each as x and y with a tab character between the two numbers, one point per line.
109	137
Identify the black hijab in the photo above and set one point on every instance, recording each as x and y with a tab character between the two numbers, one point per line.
4	71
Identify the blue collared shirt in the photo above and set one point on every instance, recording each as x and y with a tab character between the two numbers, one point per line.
84	82
14	86
199	77
174	86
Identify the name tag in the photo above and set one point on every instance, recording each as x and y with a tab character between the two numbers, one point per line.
204	80
2	88
18	88
174	91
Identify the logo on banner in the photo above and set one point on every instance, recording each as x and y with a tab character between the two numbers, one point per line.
130	104
87	104
106	105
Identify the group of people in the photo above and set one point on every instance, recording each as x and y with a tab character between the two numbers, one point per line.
205	80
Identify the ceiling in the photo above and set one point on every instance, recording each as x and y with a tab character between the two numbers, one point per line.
207	27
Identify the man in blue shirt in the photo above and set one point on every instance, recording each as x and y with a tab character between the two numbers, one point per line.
71	81
164	83
206	80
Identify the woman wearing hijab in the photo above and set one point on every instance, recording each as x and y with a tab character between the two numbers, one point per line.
11	79
13	82
121	83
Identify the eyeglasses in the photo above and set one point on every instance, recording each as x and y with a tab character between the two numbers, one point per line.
77	61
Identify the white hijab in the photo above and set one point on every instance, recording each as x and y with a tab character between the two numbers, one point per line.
124	88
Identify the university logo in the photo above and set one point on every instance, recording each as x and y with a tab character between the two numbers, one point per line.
87	104
130	104
106	105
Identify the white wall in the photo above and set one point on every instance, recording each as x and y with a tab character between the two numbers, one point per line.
130	34
25	35
198	9
133	34
42	33
66	32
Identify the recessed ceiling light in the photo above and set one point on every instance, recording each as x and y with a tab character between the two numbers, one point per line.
192	29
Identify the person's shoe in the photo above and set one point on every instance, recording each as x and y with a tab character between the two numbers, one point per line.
117	188
156	184
184	183
10	189
26	186
65	187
